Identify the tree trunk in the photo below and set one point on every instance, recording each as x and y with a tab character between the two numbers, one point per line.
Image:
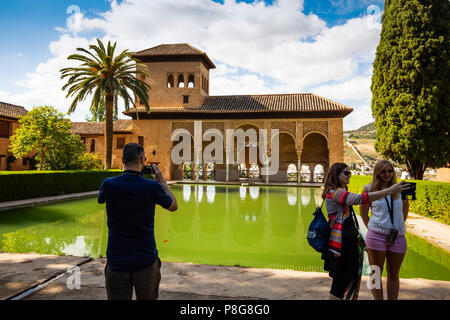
417	169
109	106
41	162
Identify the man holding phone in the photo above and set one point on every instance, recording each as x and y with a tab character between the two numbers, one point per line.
132	256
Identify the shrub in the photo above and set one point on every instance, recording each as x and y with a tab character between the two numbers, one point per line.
90	161
20	185
433	198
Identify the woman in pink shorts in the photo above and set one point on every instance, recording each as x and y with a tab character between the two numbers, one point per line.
385	238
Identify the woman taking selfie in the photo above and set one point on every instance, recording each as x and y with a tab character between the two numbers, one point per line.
385	238
342	258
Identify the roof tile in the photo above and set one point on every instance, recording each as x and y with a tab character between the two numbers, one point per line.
11	111
299	102
98	128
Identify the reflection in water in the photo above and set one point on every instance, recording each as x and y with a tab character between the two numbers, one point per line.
242	192
267	232
186	193
199	190
254	192
305	195
318	197
79	248
292	196
210	193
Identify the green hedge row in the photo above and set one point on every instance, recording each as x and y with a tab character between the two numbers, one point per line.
20	185
433	198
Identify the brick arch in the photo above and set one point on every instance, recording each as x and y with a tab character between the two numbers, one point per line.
315	151
318	132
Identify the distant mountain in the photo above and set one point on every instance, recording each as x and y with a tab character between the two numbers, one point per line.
369	131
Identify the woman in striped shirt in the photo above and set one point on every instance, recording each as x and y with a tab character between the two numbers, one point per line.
341	258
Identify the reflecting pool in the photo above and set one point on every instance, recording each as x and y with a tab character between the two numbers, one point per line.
222	225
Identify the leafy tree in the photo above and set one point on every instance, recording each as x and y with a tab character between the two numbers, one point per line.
40	131
410	84
45	131
105	76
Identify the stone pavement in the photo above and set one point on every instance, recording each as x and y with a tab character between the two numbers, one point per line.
45	200
187	281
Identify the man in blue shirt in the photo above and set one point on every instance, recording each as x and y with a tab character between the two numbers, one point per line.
132	257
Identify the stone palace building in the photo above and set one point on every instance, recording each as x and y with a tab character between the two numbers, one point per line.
310	127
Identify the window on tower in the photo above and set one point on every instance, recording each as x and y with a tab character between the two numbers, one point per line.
191	83
170	81
181	81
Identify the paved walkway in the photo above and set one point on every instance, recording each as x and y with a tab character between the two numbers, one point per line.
429	229
45	200
185	281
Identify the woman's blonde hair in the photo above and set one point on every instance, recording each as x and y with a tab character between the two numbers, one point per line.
376	181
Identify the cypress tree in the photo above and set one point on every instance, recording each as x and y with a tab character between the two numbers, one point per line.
411	84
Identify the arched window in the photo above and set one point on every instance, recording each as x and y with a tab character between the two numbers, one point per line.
253	172
170	81
305	173
210	171
181	81
191	83
292	173
319	173
187	171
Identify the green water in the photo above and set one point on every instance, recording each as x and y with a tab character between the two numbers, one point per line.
222	225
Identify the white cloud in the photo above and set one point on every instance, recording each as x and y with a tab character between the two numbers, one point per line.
360	116
249	43
357	88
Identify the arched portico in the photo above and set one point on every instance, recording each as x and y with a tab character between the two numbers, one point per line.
295	150
315	154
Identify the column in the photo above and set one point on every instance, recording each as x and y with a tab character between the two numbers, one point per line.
268	155
227	171
299	166
198	146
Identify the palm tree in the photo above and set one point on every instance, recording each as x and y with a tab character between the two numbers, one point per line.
108	77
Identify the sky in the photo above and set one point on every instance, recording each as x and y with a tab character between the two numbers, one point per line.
326	47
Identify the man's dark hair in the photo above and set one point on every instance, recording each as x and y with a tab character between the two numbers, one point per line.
132	152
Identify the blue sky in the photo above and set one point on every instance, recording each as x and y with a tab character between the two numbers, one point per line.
321	46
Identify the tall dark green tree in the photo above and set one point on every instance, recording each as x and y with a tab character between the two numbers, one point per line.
411	84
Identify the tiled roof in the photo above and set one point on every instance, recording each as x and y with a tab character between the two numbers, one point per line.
274	103
11	111
98	128
176	49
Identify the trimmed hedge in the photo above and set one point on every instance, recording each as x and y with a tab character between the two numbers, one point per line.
433	198
20	185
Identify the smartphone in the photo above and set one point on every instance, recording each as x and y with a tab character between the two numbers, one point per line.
409	194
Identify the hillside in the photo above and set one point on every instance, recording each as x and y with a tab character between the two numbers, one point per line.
369	131
363	139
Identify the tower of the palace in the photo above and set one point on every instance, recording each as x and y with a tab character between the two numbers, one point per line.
178	75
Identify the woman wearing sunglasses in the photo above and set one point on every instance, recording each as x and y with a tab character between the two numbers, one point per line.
342	259
385	238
